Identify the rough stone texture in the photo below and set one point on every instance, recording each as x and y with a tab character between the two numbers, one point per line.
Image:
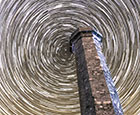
100	91
93	91
85	93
